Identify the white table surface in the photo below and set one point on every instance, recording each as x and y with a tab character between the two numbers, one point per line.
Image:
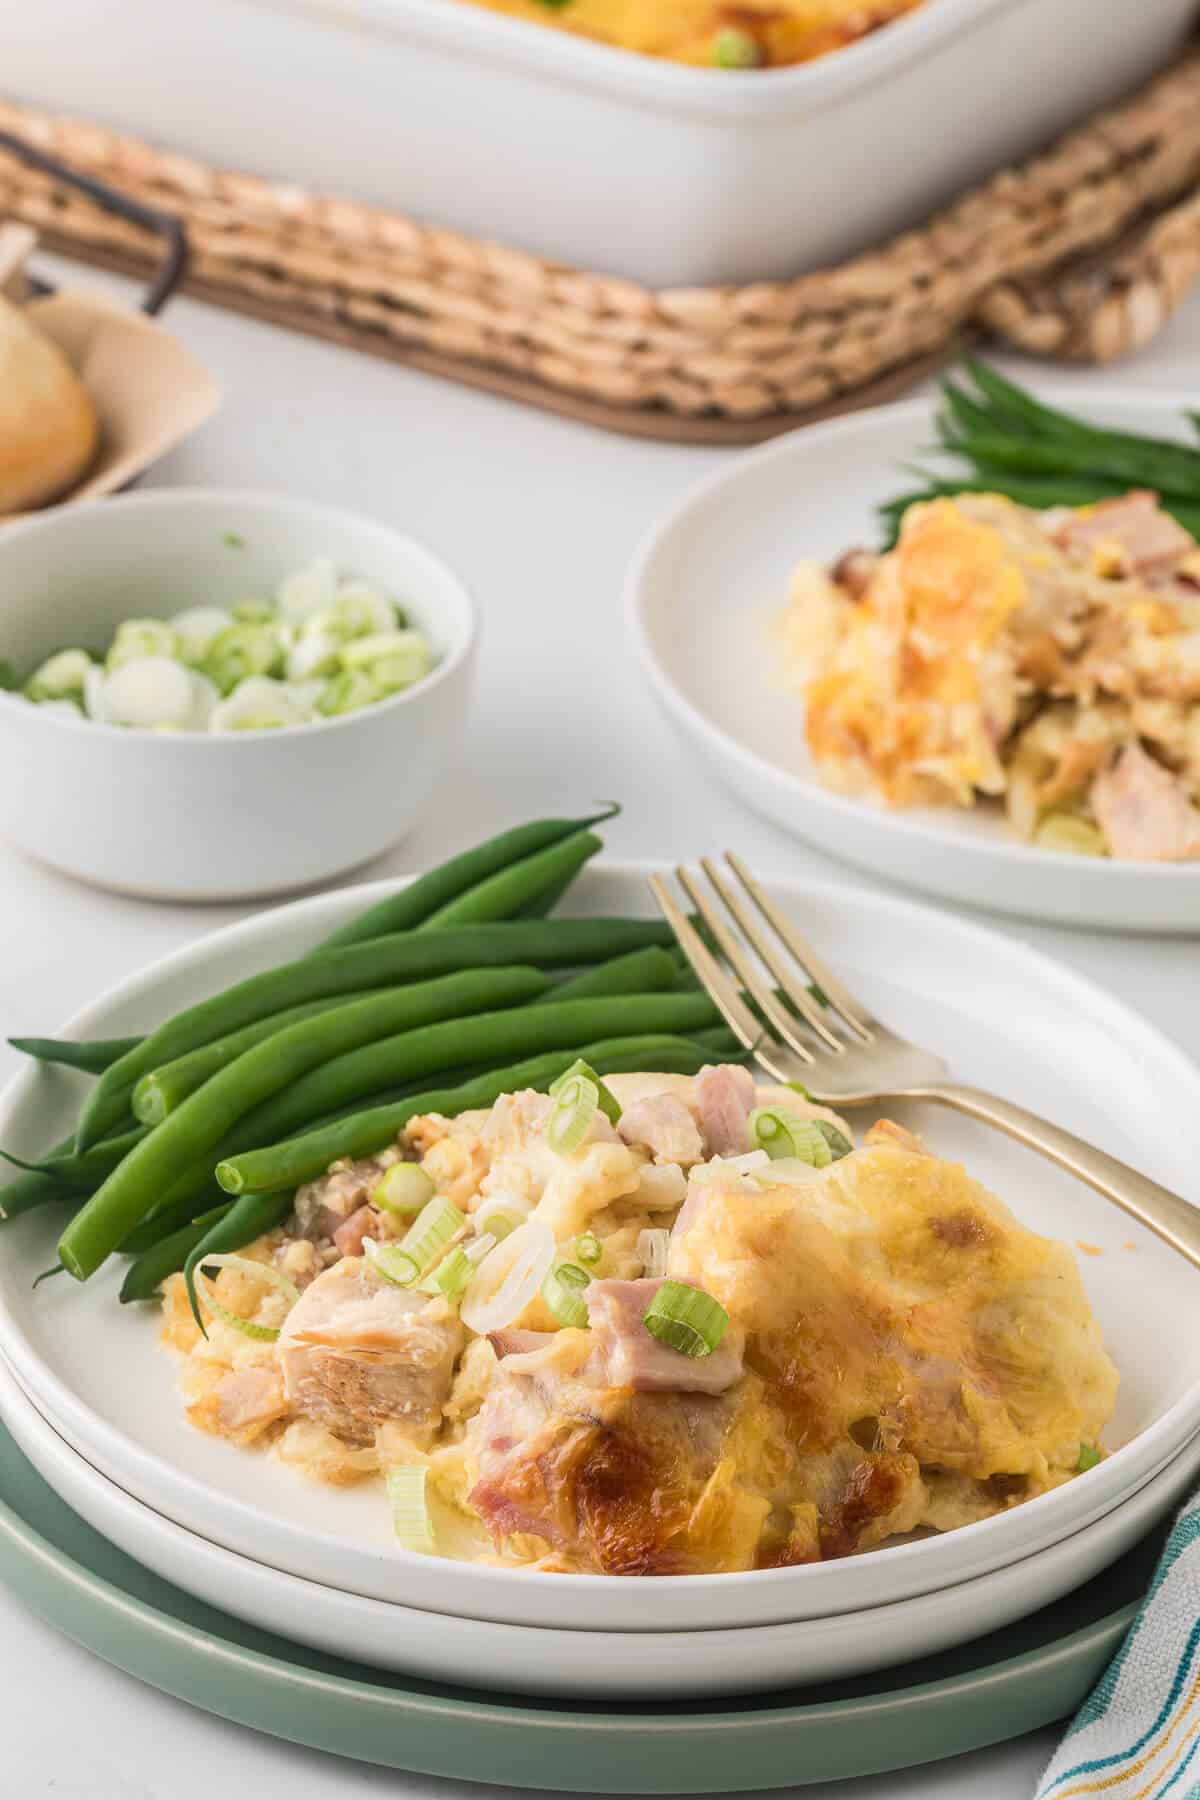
540	516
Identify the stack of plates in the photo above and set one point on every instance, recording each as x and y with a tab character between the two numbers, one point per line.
93	1403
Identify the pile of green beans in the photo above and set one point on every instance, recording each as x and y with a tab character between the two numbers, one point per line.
1041	457
460	978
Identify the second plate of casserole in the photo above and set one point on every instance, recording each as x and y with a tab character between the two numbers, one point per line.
705	595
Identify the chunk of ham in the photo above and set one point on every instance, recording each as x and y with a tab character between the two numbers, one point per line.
625	1355
325	1204
1147	539
724	1097
353	1232
356	1351
663	1125
1144	812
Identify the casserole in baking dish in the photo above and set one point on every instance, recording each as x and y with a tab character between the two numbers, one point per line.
626	164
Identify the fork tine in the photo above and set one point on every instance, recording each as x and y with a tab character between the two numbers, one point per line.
721	989
743	967
796	991
855	1016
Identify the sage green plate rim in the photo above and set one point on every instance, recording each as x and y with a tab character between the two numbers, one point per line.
1015	1681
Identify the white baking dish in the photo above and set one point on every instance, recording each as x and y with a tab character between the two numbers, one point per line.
598	157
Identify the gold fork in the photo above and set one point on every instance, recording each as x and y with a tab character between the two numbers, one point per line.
827	1040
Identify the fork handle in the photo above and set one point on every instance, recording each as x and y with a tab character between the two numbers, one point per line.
1167	1214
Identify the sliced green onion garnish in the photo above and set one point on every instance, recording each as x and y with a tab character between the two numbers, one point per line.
1089	1456
785	1134
652	1249
404	1189
262	1334
607	1101
575	1107
837	1140
562	1291
393	1263
500	1214
453	1274
1062	831
588	1249
422	1243
410	1508
686	1319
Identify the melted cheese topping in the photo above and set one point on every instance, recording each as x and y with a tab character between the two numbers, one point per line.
914	1358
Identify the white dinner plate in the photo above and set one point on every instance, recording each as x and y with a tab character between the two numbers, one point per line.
1004	1017
644	1665
700	593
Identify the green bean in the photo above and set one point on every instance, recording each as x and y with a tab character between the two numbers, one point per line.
641	972
548	899
31	1190
504	893
162	1089
487	1038
92	1057
247	1220
1162	458
1047	456
84	1168
200	1123
971	415
414	903
300	1159
408	956
144	1277
175	1211
718	1038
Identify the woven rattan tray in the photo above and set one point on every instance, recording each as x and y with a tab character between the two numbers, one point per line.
1080	253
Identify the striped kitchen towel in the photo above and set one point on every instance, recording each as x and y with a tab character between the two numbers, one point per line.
1137	1737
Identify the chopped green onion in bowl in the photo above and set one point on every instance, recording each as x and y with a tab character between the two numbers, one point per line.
324	645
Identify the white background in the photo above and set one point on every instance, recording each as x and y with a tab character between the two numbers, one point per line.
540	517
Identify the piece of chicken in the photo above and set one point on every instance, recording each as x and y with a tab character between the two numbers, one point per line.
356	1351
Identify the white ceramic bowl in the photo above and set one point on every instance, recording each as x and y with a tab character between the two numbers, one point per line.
675	175
610	1665
227	816
1004	1017
699	595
